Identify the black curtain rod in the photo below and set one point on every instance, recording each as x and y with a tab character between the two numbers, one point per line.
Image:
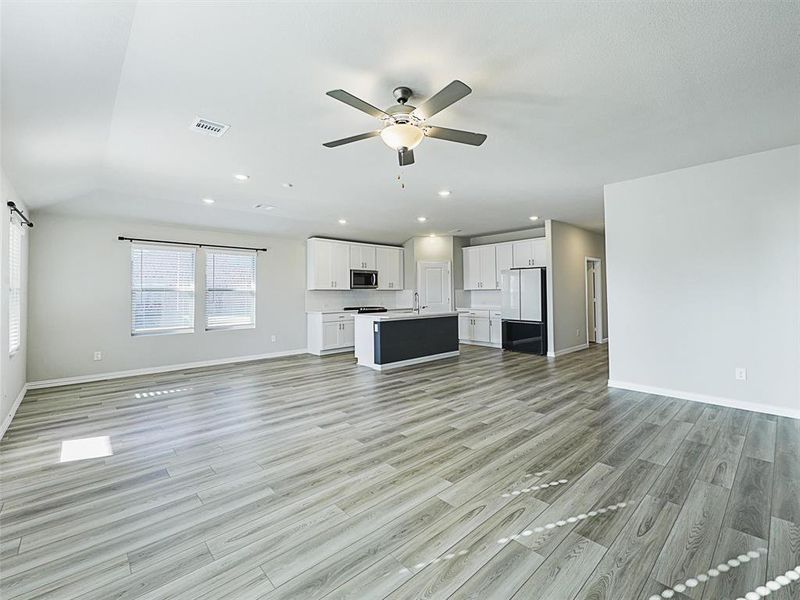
129	239
14	209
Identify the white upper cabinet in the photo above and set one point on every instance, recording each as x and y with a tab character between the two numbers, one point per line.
362	257
484	264
530	253
540	257
489	278
522	253
472	268
480	268
328	265
504	256
390	268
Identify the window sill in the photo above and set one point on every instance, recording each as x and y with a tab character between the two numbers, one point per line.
160	332
230	327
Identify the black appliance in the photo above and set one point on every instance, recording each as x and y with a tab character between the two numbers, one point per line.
367	309
363	280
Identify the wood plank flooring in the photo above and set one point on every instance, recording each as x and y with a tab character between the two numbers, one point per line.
489	476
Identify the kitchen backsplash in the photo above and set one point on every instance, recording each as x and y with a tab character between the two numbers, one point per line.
336	300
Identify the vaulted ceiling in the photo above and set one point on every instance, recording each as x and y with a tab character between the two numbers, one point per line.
97	99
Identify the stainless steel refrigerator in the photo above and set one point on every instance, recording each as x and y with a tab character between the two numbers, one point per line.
524	309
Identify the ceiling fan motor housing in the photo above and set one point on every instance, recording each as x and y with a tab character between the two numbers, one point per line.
402	94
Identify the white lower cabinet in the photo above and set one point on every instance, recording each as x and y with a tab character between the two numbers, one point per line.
330	332
475	326
496	328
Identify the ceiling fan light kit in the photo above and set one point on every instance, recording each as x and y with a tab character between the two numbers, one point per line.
405	126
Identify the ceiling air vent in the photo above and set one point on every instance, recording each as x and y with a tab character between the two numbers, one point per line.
209	127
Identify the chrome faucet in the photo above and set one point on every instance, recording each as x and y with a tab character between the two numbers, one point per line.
416	303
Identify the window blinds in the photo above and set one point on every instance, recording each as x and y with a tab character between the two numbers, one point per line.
230	289
162	289
14	287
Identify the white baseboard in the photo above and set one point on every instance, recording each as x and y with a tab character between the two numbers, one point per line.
47	383
332	351
603	341
13	411
484	344
706	399
564	351
412	361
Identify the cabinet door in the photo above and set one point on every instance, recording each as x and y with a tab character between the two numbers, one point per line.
464	322
472	268
347	334
368	256
331	334
540	252
522	252
389	264
489	278
362	257
480	329
496	331
320	264
340	266
356	261
504	256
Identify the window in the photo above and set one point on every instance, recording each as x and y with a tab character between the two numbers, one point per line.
162	289
230	289
14	287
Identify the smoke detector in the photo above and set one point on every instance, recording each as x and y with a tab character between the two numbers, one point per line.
211	128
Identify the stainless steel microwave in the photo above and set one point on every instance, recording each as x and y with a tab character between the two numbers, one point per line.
363	280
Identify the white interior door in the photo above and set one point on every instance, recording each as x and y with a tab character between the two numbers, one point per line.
594	300
433	286
590	302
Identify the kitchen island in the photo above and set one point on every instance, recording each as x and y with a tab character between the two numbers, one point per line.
399	339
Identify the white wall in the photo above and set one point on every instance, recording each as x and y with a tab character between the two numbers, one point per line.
704	277
12	368
569	247
80	300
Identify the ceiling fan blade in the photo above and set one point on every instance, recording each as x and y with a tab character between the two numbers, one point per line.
406	157
452	92
456	135
358	103
352	138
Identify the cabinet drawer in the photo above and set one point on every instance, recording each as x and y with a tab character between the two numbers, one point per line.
331	317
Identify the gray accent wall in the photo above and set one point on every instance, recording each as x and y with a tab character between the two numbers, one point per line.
569	248
704	277
80	300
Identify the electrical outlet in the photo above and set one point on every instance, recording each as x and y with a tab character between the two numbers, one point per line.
741	374
577	333
98	355
274	338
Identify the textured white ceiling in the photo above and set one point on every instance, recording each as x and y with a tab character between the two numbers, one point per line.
97	99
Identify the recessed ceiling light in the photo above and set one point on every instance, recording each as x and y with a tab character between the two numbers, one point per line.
433	235
444	193
533	218
287	185
342	221
208	200
422	219
241	176
263	206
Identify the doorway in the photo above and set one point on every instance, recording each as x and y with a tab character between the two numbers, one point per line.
594	301
433	285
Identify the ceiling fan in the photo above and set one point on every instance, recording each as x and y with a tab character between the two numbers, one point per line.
404	126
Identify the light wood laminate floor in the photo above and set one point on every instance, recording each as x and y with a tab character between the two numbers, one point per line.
491	476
